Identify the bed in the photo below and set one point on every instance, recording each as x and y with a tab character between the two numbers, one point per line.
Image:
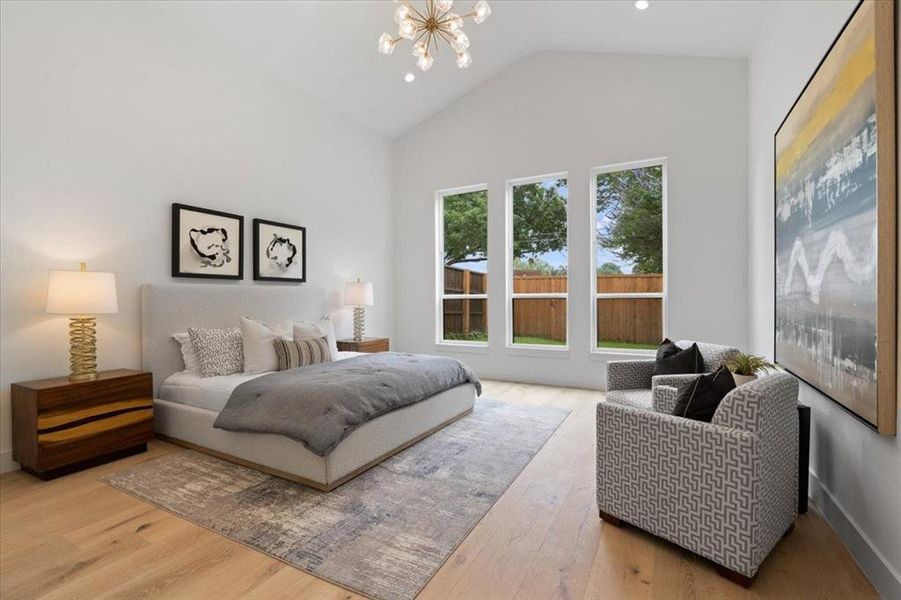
185	405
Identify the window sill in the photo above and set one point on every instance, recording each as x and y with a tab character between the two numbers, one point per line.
539	351
609	353
467	347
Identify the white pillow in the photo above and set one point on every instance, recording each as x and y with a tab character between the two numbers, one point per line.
308	330
187	352
259	347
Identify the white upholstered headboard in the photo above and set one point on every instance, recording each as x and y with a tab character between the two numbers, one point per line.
169	309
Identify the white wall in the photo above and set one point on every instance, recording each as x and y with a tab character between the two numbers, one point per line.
569	112
855	473
109	114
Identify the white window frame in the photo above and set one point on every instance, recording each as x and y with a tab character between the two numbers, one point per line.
439	272
532	349
593	204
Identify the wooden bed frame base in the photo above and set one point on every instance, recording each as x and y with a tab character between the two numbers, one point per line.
323	487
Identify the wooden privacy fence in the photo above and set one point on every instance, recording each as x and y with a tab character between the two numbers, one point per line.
629	284
538	284
464	317
637	320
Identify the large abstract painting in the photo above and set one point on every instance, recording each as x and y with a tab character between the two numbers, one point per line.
835	271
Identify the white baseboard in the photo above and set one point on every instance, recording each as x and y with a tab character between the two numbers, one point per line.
883	576
7	463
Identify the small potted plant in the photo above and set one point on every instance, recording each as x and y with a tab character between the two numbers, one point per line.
745	367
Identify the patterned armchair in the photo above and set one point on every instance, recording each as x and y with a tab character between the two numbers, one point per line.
632	383
726	490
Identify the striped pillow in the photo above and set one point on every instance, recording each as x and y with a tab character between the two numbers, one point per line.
300	353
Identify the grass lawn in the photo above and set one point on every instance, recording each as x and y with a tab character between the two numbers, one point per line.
527	339
625	345
473	336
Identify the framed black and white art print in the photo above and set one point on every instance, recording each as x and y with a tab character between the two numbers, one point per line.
207	243
279	251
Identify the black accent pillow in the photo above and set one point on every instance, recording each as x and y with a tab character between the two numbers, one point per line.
666	348
699	398
671	360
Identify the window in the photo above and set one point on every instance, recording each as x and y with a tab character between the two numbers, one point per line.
628	255
463	266
537	261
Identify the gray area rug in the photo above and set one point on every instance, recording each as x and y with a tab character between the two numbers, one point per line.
383	534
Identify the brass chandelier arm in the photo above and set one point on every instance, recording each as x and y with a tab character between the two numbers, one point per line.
445	36
413	8
444	19
428	47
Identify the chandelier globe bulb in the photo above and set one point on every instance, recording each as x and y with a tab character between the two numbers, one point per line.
401	13
407	29
386	43
424	62
481	11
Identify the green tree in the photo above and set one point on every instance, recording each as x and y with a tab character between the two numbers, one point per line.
539	218
609	268
539	222
537	264
632	202
466	227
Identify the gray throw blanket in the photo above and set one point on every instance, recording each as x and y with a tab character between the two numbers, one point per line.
322	404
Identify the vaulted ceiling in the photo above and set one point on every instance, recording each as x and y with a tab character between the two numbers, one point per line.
328	48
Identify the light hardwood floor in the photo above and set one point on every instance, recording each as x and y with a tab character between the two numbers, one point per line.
77	538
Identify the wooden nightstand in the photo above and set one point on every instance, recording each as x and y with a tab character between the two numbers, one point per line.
61	426
365	345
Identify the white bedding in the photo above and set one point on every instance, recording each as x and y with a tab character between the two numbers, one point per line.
210	393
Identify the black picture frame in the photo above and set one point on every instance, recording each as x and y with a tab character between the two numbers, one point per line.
177	242
257	275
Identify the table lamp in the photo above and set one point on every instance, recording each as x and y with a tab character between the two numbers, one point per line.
359	295
82	294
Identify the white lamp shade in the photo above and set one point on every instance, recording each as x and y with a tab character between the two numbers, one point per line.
81	293
358	293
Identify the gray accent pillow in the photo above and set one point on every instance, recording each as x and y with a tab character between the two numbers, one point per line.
219	351
301	353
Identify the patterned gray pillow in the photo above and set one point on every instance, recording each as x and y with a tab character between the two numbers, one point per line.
219	351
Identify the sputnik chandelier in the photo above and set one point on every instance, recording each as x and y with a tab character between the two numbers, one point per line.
425	28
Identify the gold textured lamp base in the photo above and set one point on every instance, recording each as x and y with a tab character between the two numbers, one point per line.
359	315
82	348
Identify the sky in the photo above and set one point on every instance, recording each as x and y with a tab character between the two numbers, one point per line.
604	255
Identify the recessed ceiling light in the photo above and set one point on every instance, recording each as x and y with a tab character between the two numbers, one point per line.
409	77
642	4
